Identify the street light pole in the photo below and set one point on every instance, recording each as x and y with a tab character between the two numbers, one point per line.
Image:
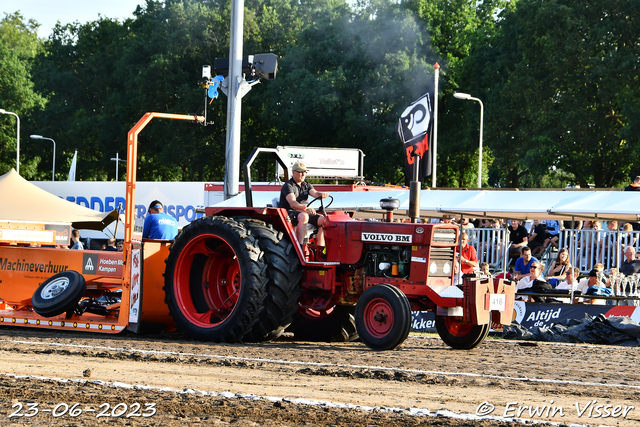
468	97
17	138
117	160
53	172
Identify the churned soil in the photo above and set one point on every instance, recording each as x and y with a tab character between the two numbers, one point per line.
70	379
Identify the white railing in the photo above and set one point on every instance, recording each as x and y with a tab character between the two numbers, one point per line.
590	247
490	244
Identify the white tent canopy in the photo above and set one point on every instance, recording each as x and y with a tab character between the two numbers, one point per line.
23	201
510	204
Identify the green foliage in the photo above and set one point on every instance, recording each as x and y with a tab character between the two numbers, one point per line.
559	81
562	90
18	46
348	79
458	28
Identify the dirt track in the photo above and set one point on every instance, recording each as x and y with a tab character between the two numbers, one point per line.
191	383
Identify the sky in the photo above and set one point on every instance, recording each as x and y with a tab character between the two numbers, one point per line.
48	12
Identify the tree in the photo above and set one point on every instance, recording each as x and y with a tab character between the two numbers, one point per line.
457	29
347	81
18	46
562	82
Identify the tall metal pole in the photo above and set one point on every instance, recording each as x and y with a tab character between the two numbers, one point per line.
234	103
480	155
435	125
17	138
53	171
117	159
468	97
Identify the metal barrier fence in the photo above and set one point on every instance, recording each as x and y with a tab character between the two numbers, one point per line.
586	247
590	247
490	245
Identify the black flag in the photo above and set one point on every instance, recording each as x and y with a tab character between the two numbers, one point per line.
414	129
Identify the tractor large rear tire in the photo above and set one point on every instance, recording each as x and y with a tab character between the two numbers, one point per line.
383	317
458	334
215	280
336	324
283	287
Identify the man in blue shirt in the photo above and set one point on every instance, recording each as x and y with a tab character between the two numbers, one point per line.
159	225
523	264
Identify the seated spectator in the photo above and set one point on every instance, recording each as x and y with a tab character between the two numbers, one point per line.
519	237
465	224
537	237
484	269
588	282
552	233
159	225
533	282
571	281
627	238
559	268
631	265
523	264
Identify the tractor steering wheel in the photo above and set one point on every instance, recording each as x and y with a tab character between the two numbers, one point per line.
322	206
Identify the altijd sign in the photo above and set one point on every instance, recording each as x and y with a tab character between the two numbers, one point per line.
386	238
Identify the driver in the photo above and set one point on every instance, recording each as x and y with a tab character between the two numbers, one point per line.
293	197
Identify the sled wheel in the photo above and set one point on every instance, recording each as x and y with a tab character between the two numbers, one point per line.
336	324
383	317
458	334
283	286
59	293
215	280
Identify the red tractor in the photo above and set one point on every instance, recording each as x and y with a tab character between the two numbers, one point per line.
239	274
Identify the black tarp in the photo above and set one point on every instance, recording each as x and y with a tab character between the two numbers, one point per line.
592	330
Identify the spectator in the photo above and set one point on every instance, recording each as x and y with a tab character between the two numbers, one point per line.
552	233
559	268
588	282
571	281
537	237
120	246
631	265
75	239
466	225
518	237
159	225
484	269
634	186
628	238
468	255
523	264
111	246
534	282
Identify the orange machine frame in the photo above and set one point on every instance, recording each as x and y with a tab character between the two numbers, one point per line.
141	263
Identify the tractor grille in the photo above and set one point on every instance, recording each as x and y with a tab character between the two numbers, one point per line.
441	262
444	235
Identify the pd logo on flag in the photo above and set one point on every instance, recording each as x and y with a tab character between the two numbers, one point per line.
413	128
415	120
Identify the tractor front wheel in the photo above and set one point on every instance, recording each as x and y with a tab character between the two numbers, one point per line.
383	317
458	334
215	280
